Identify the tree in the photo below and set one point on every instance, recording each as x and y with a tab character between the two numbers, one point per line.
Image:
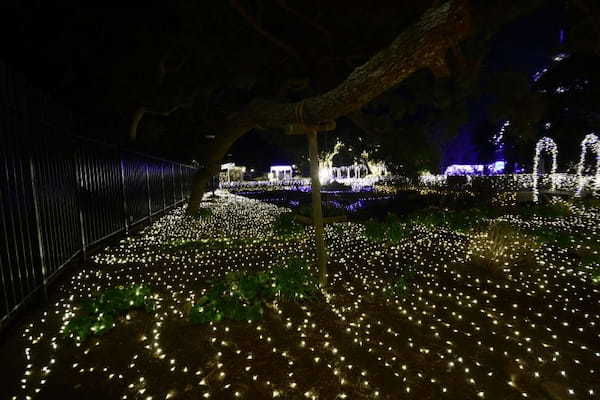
422	45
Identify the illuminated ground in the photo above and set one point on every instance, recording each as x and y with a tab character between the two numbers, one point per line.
458	332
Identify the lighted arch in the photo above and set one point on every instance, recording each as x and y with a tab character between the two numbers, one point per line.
545	144
592	142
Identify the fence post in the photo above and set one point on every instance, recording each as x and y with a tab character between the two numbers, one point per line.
181	183
162	181
38	223
125	210
79	183
148	193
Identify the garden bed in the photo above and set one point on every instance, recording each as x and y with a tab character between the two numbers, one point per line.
421	313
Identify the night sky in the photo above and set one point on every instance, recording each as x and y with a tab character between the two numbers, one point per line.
524	45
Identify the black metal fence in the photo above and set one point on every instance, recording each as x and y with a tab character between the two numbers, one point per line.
61	194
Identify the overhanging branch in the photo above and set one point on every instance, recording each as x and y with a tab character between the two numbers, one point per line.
422	45
257	27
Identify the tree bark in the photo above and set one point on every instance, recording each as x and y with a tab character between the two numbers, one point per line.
138	114
422	45
317	210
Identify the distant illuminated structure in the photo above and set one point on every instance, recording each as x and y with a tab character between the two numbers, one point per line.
547	145
281	173
590	142
231	173
356	171
365	172
495	168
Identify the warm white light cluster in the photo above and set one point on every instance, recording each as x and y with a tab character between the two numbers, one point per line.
456	333
590	142
545	144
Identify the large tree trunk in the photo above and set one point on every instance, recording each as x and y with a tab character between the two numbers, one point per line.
235	127
138	114
422	45
317	210
199	183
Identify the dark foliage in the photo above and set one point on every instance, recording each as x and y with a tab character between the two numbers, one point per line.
285	225
243	295
100	313
391	229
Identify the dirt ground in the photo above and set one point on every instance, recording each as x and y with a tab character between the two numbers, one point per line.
459	331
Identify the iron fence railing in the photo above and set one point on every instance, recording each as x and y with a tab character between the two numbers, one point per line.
61	194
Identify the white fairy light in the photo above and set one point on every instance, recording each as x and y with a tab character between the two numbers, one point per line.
545	144
448	319
592	143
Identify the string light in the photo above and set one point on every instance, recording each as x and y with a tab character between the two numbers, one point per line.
545	144
443	338
589	142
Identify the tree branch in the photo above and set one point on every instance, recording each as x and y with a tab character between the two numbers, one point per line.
138	114
283	4
421	45
360	120
257	27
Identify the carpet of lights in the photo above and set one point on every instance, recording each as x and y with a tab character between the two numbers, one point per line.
457	333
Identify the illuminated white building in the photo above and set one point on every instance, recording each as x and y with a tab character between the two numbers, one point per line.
281	173
231	173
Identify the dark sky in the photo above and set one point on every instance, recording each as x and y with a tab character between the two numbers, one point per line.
525	45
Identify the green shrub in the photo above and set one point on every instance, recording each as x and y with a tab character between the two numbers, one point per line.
400	286
285	224
549	210
99	313
328	211
294	281
396	230
460	221
375	230
549	236
499	245
203	212
596	277
590	202
338	228
336	186
391	229
242	296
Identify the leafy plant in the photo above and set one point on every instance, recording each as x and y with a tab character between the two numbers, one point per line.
285	224
454	220
400	286
338	228
553	209
294	281
391	229
336	186
395	228
375	230
99	313
203	212
596	277
242	296
328	211
590	202
500	245
549	236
